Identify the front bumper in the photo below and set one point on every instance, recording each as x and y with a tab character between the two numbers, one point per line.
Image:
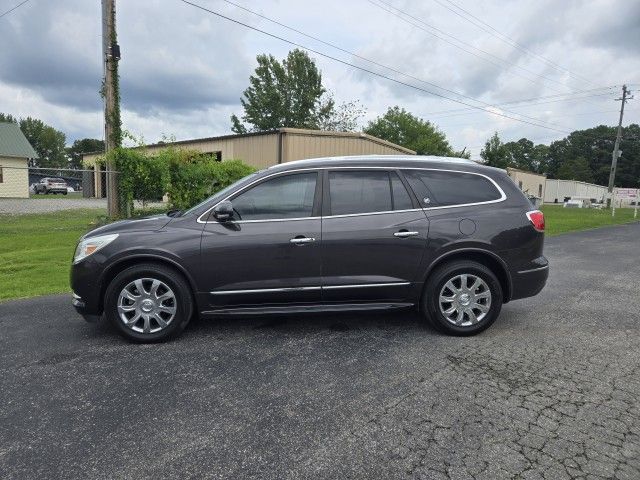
85	284
529	282
80	306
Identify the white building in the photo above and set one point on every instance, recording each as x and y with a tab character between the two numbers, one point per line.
558	190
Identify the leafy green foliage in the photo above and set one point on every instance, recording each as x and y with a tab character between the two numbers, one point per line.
584	155
494	152
186	176
575	169
290	94
193	176
80	147
401	127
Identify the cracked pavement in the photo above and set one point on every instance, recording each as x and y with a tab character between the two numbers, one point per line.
550	391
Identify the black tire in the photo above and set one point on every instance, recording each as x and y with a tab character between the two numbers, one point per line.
173	279
430	305
64	193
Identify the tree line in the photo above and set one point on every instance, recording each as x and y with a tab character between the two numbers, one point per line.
583	155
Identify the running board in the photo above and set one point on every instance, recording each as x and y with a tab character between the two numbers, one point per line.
282	309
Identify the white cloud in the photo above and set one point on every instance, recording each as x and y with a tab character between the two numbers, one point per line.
183	70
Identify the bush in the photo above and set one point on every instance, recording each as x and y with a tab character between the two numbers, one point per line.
187	176
141	177
193	176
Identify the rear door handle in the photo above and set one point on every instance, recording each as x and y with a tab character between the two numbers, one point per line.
405	234
302	240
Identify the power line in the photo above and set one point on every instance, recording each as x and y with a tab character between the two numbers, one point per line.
506	38
463	111
502	60
295	44
14	8
337	47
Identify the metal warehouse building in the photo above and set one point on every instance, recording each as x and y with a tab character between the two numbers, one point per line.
263	149
558	190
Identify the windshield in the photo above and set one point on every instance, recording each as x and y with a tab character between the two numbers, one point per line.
220	194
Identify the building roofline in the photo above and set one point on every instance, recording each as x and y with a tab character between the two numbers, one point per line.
513	169
291	131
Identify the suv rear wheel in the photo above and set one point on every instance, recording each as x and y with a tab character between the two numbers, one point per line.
462	298
149	303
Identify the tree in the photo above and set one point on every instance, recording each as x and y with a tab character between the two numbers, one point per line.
284	94
8	118
343	118
402	128
576	169
79	147
524	155
494	153
48	142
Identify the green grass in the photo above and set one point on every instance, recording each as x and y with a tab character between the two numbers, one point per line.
36	251
562	220
69	195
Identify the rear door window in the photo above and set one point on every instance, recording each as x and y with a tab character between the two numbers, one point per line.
364	191
443	188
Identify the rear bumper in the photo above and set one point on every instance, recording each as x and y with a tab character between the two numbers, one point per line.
527	283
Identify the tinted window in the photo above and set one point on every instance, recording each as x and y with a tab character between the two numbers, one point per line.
288	196
401	198
359	192
450	188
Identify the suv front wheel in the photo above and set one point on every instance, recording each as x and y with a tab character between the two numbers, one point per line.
462	298
149	303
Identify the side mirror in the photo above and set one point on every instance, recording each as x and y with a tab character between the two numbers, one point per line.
223	211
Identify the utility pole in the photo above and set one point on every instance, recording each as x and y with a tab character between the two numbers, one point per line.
111	95
616	149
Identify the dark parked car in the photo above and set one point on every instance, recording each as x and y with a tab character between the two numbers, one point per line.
50	185
453	238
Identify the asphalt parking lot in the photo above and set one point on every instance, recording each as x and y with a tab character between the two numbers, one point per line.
551	391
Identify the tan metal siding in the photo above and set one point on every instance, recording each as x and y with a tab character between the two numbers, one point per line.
299	147
259	151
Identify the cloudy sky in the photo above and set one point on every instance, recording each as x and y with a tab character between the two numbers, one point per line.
183	70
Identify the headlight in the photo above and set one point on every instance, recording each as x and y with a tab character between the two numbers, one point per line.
91	245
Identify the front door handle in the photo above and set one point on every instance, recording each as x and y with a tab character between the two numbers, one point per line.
300	240
405	234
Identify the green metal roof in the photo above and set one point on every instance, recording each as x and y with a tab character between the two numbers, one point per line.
13	143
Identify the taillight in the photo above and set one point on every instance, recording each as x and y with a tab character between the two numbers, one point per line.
536	217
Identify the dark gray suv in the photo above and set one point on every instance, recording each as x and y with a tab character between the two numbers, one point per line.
451	237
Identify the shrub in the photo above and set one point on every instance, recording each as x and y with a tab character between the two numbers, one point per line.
194	176
187	176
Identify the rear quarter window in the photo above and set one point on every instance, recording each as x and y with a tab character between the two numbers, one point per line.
443	188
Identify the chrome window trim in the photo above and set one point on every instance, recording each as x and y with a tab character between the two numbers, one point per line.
502	198
298	289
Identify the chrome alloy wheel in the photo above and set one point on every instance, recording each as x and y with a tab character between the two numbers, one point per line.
465	300
146	305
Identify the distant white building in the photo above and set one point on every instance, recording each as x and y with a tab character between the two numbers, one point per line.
558	190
